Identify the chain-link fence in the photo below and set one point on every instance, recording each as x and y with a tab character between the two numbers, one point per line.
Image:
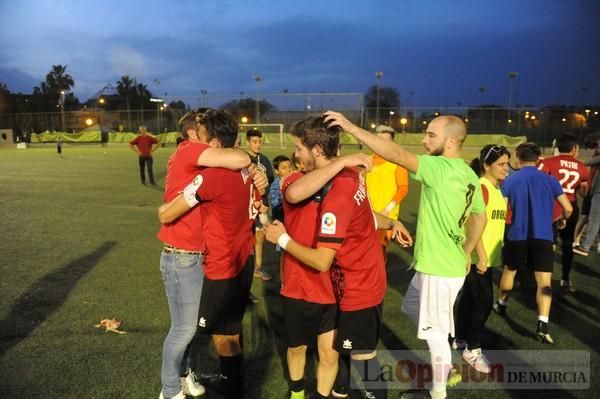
538	124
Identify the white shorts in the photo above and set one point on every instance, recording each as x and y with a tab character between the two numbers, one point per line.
429	303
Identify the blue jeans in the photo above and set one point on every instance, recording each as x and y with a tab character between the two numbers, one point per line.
183	276
593	223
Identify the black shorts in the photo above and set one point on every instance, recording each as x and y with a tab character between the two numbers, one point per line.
536	255
304	321
568	233
223	303
358	331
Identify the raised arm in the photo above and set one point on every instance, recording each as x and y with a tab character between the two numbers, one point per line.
319	259
386	149
312	182
228	158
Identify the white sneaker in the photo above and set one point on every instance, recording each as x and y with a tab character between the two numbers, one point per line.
190	385
567	286
477	360
180	395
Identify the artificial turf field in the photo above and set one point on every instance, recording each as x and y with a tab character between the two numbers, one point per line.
78	244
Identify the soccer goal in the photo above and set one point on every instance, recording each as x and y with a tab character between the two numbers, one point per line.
272	132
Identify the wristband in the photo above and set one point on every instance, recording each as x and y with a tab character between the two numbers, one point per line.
189	192
283	240
390	206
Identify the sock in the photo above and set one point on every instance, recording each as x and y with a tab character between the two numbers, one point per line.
319	396
232	384
543	318
441	362
297	386
342	380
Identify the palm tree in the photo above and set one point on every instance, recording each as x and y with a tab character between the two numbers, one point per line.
126	87
58	79
143	96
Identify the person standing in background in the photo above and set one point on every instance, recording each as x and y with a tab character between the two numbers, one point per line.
145	145
387	186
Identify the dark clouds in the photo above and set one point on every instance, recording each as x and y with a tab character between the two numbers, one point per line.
441	51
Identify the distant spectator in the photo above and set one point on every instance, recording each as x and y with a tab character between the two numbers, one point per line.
59	145
145	145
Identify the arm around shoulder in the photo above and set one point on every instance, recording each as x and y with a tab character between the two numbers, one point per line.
229	158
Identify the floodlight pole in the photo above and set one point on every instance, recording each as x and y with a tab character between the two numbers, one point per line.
511	78
258	79
378	75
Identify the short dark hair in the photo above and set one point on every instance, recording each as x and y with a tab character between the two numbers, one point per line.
279	159
528	152
566	142
218	124
314	131
253	133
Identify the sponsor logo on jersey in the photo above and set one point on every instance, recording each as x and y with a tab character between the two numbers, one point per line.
202	322
347	344
328	223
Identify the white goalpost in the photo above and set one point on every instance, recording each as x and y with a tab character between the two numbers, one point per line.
269	128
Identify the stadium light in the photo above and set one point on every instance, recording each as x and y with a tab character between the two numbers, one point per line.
403	122
156	100
89	121
244	119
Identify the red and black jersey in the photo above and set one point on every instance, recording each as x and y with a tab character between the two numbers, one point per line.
569	172
347	225
228	212
302	222
182	168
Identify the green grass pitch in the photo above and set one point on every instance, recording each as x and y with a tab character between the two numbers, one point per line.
78	243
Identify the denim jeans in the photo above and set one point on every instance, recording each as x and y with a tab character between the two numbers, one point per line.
183	276
593	224
146	161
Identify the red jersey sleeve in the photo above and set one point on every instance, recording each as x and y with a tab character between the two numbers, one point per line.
486	194
336	213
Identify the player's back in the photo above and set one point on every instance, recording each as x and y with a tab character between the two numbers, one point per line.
226	203
182	168
569	171
347	225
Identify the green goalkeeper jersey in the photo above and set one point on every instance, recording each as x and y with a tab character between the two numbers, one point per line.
450	191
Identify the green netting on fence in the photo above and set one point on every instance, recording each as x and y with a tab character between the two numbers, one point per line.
269	139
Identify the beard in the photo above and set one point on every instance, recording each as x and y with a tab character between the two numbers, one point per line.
436	152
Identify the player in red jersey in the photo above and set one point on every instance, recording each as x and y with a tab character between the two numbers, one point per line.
572	175
347	246
182	257
310	308
226	202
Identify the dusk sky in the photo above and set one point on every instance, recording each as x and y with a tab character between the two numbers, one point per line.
441	51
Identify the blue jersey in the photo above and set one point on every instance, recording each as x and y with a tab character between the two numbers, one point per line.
531	194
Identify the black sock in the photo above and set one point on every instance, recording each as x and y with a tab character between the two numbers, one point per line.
342	380
319	396
297	386
373	366
232	369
